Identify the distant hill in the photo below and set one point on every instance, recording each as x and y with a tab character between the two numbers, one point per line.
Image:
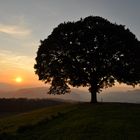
13	105
41	92
130	96
6	87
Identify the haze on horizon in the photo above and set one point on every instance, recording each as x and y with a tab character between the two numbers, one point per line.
24	23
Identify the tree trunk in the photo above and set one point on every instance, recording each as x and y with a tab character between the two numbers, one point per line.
93	90
93	97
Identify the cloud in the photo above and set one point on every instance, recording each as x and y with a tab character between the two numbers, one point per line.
10	60
13	64
15	30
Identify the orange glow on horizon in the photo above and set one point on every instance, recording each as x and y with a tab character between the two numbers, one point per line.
10	76
18	79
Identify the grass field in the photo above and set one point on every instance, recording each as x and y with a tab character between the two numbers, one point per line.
84	121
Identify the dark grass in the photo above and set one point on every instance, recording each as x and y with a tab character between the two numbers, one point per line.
11	106
12	123
103	121
14	106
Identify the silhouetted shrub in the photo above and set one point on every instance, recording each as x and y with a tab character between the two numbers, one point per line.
60	114
6	136
44	121
24	128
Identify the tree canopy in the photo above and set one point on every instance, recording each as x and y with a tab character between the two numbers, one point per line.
91	52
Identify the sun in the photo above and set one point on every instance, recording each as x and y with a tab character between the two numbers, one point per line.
18	79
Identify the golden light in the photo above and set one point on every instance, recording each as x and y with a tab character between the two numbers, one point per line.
18	79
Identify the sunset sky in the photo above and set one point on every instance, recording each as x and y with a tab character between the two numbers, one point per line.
23	23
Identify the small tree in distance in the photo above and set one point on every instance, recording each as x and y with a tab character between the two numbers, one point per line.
91	52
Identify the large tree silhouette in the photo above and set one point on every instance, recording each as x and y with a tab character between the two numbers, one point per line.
91	52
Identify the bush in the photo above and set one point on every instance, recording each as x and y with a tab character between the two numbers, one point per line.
24	128
5	136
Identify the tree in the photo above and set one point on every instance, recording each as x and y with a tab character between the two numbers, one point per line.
91	52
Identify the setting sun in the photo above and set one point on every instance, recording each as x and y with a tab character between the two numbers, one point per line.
18	79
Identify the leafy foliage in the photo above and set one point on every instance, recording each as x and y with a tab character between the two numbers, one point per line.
90	52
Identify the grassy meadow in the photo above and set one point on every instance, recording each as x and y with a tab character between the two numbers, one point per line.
81	121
